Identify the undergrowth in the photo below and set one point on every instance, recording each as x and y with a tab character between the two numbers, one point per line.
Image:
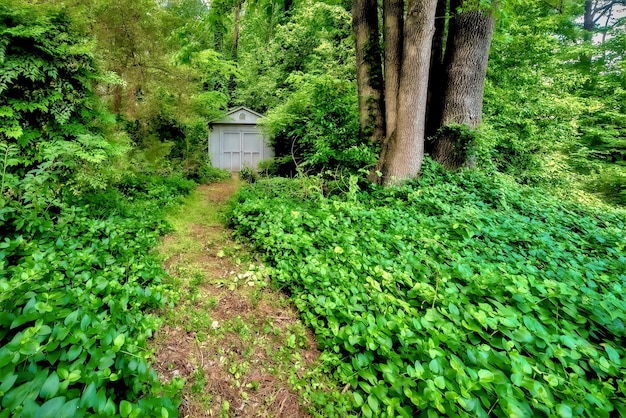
458	293
76	291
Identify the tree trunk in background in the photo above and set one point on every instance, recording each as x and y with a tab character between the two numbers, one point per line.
369	69
287	6
465	62
236	31
116	104
588	26
232	83
405	150
436	81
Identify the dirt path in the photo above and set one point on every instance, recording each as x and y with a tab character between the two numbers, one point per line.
237	343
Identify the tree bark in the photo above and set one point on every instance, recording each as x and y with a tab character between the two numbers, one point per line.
393	24
588	26
405	150
236	19
369	69
465	62
436	79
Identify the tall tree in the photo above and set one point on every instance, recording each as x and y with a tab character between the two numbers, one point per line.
393	15
465	65
403	150
369	70
413	46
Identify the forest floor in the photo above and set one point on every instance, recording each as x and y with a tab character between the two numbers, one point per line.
238	343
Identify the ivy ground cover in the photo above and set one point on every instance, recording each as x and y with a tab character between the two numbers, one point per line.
458	294
76	291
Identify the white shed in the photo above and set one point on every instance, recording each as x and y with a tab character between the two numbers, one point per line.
236	141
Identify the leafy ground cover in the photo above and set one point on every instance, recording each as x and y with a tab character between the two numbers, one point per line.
238	344
76	291
457	294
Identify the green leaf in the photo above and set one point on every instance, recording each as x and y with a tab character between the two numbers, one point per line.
367	411
125	408
7	380
613	354
50	386
564	411
6	356
485	376
72	318
119	341
74	352
69	410
52	408
100	402
372	401
88	399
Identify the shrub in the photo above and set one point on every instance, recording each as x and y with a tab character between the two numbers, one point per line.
317	128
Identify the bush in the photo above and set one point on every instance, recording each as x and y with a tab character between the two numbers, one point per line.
208	174
317	128
459	294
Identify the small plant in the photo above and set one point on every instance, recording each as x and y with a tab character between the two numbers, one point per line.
248	175
208	174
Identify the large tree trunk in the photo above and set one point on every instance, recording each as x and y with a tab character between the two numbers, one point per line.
369	69
393	36
467	54
405	150
436	80
393	23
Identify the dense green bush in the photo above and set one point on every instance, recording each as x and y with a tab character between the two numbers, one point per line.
457	294
317	128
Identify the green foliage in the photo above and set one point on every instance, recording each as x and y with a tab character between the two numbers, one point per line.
302	75
74	308
76	281
248	175
317	127
458	294
528	117
316	40
209	174
48	115
554	101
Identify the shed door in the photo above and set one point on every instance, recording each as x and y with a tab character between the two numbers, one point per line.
241	147
252	146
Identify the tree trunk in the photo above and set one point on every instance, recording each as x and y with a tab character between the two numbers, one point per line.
393	23
405	150
467	54
287	6
369	69
236	31
232	82
588	26
436	80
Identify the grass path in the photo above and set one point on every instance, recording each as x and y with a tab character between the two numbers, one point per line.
237	343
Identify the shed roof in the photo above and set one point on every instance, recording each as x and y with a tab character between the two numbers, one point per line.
240	116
